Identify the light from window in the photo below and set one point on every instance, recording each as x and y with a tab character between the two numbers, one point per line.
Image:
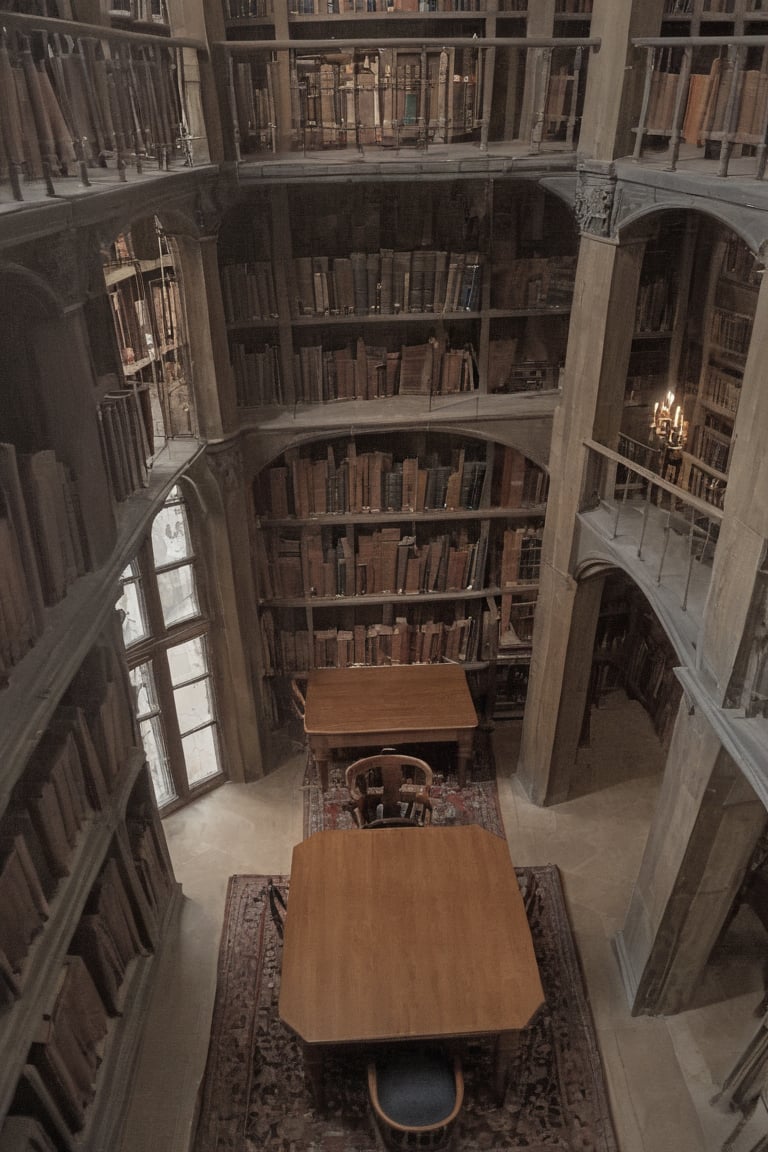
170	532
195	709
151	728
131	604
178	595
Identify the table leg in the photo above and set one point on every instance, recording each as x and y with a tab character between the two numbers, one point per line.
506	1046
313	1074
464	758
323	760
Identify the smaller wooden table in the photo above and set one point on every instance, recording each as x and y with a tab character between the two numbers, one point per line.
396	704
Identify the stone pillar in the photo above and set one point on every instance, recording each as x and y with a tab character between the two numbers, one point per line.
212	376
735	628
599	344
705	827
222	493
616	76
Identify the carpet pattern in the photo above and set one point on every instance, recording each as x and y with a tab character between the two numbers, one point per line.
477	803
254	1099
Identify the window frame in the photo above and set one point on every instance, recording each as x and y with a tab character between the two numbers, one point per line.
153	650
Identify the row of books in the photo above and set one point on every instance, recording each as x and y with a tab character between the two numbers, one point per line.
722	388
69	777
463	640
146	316
79	104
386	283
146	11
533	282
707	100
340	7
711	446
655	305
520	557
124	442
372	482
731	331
578	6
248	290
386	561
702	484
43	547
304	487
369	373
245	9
253	88
739	263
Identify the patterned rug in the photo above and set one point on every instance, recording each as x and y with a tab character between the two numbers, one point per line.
477	803
254	1099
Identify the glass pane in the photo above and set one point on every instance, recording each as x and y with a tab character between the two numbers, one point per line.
170	535
143	681
194	704
201	755
186	661
178	595
154	747
131	604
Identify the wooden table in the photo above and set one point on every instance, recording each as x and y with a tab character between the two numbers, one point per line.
396	704
404	934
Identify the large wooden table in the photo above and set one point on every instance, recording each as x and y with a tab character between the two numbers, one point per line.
396	704
404	934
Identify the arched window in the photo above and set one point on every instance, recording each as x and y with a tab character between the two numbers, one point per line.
165	629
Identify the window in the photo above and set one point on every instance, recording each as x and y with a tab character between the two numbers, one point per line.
165	630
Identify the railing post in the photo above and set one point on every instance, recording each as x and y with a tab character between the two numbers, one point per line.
680	103
650	61
571	122
731	110
537	130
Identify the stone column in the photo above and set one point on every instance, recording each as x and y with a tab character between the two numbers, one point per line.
705	827
212	376
599	344
222	493
617	68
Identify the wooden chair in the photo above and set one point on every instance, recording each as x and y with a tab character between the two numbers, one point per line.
416	1095
390	787
298	696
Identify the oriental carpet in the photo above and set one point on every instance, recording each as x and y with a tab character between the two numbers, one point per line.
476	803
254	1099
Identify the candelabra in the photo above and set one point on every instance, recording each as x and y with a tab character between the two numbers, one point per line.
671	429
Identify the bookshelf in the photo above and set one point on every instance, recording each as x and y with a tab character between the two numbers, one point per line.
391	74
435	290
716	366
86	890
395	549
86	887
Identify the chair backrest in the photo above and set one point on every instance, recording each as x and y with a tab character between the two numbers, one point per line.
416	1095
388	786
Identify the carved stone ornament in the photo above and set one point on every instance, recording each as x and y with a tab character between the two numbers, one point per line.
226	464
594	202
58	260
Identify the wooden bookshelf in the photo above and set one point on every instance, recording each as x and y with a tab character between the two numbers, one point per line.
319	312
402	549
712	401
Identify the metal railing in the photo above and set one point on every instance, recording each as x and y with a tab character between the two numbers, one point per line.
388	93
660	523
705	97
81	100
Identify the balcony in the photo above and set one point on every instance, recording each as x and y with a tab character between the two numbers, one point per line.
401	98
704	105
90	107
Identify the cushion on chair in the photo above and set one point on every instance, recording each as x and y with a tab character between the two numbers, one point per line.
416	1088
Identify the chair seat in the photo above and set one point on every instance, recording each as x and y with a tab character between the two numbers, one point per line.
416	1089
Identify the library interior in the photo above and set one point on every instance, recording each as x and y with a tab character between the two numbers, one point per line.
382	378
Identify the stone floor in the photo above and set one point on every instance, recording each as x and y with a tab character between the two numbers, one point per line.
662	1073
